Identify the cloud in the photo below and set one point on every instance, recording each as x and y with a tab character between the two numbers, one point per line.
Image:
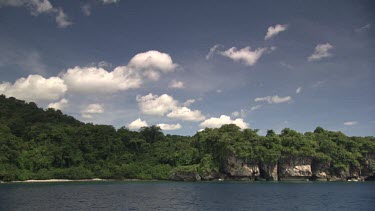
28	60
185	113
318	84
92	109
137	124
363	28
86	9
188	102
235	113
242	113
35	88
222	120
83	80
213	50
273	99
104	64
152	75
63	103
321	51
37	7
109	1
161	105
351	123
153	60
13	3
176	84
245	55
288	66
169	126
275	30
298	90
98	80
156	105
256	107
62	19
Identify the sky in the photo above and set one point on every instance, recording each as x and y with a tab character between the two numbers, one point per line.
187	65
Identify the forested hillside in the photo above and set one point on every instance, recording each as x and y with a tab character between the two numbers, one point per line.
44	144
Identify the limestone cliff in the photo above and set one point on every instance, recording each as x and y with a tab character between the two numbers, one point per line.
286	168
240	168
268	171
294	167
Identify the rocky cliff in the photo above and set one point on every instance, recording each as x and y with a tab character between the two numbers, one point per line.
287	168
238	168
294	168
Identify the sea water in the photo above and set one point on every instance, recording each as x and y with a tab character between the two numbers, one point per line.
161	195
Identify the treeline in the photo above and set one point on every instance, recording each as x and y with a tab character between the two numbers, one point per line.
44	144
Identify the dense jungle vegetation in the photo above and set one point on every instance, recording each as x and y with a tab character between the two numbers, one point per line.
42	144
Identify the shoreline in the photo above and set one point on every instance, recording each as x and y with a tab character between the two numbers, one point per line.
72	180
155	180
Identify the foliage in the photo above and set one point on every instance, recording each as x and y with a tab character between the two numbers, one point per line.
44	144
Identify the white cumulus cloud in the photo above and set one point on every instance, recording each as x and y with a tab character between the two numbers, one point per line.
169	126
165	104
156	105
35	88
275	30
298	90
98	80
321	51
92	109
153	60
185	113
136	124
245	55
223	120
63	103
273	99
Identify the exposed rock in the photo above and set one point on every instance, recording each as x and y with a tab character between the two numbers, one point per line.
295	167
320	169
368	166
185	176
334	178
212	176
268	171
236	167
299	171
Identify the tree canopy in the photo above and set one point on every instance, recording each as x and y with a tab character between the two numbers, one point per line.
42	144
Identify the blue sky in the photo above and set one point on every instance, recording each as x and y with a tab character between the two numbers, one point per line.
132	63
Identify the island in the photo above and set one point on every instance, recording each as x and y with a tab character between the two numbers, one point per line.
38	145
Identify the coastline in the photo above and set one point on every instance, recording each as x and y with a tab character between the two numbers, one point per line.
71	180
154	180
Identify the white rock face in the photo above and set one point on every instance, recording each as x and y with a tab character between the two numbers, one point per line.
299	171
239	168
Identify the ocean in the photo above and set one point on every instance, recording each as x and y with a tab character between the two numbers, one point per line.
165	195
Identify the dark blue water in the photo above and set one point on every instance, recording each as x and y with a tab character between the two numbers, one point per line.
188	196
